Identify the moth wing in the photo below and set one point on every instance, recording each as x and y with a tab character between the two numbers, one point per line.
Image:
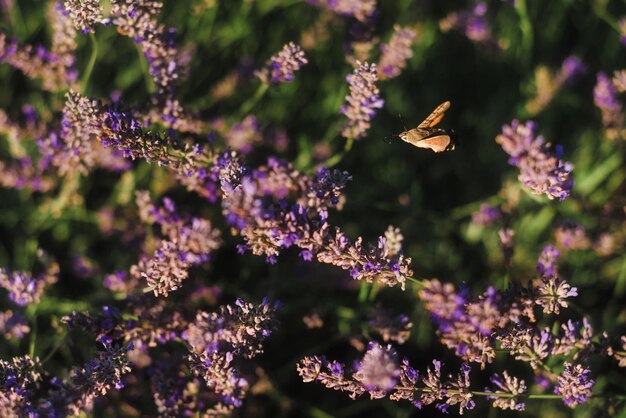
437	143
436	116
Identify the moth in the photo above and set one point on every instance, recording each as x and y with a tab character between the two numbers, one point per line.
427	136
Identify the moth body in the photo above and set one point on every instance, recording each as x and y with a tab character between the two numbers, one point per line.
425	135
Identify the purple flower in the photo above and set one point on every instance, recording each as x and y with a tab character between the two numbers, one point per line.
472	22
378	371
541	170
25	289
547	265
552	293
572	67
574	384
362	10
605	98
509	385
85	14
362	102
396	52
13	325
282	67
486	215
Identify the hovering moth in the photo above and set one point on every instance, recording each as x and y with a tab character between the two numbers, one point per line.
427	136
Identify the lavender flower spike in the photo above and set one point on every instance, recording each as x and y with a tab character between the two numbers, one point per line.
282	67
396	52
541	170
604	96
574	385
362	102
85	14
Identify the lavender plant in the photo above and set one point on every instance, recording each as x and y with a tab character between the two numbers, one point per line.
182	228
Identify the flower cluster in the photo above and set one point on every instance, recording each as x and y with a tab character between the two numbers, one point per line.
13	325
85	14
509	386
472	22
396	52
275	207
76	148
23	288
362	102
547	85
361	10
541	170
574	384
605	98
188	242
55	67
380	375
486	215
137	20
24	392
391	328
215	340
282	67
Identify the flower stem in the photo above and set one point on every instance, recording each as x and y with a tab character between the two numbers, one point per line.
249	105
90	64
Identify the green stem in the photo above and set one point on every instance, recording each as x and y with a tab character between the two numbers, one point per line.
418	282
249	105
145	69
349	143
526	28
90	65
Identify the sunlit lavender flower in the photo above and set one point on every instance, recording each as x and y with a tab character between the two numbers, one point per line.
548	85
604	96
541	170
574	384
393	240
428	389
362	102
391	328
215	339
463	326
85	14
571	236
18	382
396	52
56	71
472	22
458	390
362	10
283	66
13	325
574	335
620	355
96	378
137	20
571	67
552	293
25	289
378	371
245	135
486	215
547	265
619	80
189	242
508	385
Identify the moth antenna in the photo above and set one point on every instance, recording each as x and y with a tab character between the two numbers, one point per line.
402	121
